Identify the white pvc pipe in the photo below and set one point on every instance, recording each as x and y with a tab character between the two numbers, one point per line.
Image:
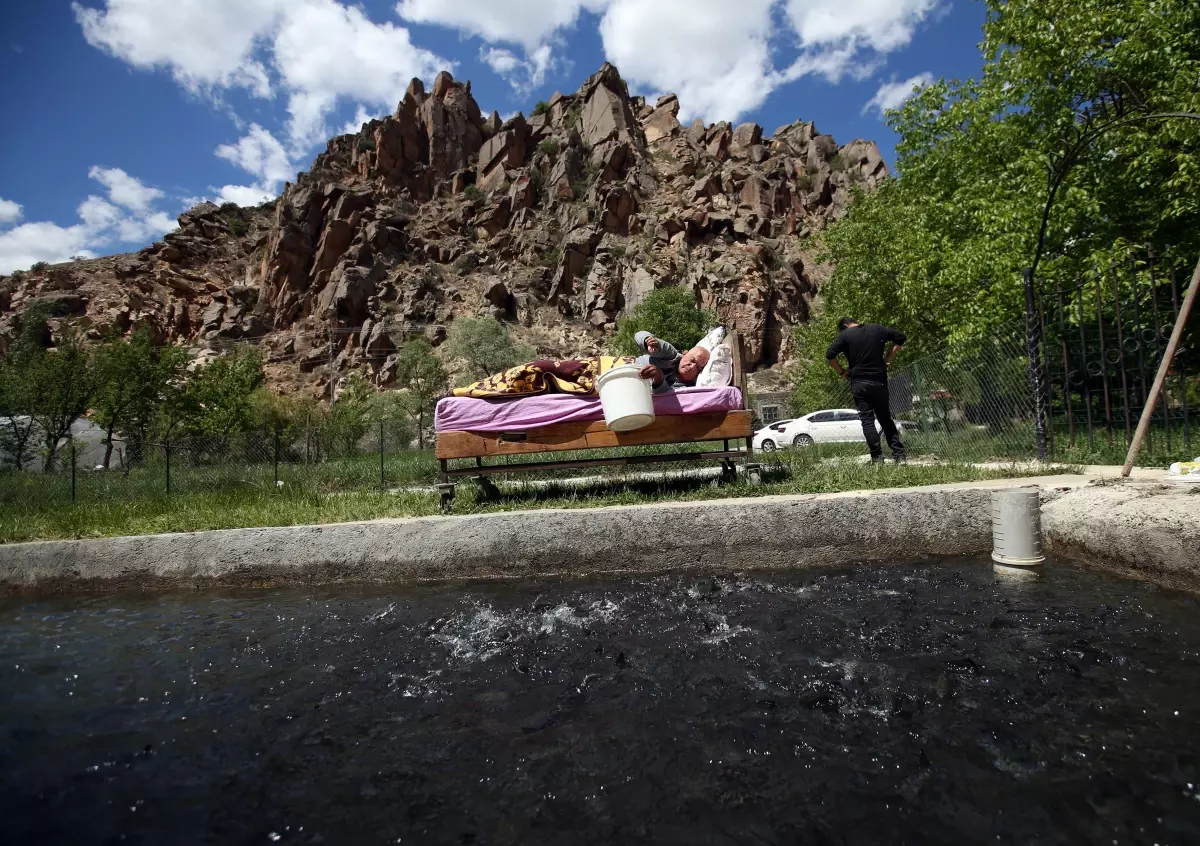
1017	530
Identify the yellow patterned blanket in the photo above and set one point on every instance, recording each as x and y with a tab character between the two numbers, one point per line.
545	376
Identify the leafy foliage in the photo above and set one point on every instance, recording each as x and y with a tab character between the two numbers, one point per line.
939	251
542	108
63	382
423	379
219	398
134	380
667	313
484	345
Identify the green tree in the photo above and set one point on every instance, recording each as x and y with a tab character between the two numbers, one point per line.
133	381
485	346
940	249
391	408
667	313
219	398
423	380
64	378
19	386
816	385
349	416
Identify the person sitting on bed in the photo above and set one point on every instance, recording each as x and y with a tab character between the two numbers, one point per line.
664	364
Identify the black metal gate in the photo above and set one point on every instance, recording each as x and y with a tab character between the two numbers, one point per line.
1102	340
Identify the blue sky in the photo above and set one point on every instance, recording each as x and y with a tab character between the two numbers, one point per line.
123	113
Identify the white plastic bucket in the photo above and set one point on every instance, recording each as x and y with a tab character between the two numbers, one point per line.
626	397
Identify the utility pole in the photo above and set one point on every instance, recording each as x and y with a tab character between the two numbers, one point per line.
331	377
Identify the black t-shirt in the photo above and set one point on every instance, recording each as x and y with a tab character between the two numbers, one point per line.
863	346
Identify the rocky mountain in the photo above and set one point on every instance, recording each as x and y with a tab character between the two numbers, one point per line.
556	224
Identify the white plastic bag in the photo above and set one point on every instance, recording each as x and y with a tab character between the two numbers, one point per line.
1184	471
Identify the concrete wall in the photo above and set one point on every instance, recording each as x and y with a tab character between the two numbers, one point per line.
1137	529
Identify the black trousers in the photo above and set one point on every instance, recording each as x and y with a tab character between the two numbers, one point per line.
871	400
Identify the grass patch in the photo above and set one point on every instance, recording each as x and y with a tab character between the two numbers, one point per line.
341	491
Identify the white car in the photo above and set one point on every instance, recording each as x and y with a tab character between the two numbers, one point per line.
770	438
828	426
831	425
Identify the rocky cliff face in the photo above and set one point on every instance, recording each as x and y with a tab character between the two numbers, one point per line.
555	224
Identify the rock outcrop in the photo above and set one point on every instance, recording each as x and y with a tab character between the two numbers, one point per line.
557	224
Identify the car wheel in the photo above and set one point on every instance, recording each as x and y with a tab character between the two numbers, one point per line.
802	440
767	446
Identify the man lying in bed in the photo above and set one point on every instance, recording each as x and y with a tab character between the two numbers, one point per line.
666	366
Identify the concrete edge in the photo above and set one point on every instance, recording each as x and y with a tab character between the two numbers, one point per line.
781	531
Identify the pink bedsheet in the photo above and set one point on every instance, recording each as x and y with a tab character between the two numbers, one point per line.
466	414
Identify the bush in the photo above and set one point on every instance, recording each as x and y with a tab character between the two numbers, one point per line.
542	108
838	164
39	267
548	147
667	313
485	346
472	193
237	227
366	145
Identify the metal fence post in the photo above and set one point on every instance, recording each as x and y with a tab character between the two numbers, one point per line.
167	452
382	478
72	471
277	457
1033	345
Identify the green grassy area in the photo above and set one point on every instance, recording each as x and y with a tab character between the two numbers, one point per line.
252	499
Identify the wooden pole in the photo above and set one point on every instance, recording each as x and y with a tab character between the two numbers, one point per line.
1163	366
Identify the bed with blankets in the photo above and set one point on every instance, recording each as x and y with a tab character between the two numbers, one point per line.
552	407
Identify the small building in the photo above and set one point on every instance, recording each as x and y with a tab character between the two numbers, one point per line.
769	406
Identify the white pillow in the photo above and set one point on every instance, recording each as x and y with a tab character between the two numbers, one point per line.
714	337
719	371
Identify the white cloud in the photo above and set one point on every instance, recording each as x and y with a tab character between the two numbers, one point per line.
712	53
125	190
354	126
325	51
501	61
315	52
126	217
260	154
205	44
243	195
723	58
719	56
893	95
10	212
525	22
522	74
880	25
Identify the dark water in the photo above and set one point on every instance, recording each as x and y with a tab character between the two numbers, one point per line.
908	704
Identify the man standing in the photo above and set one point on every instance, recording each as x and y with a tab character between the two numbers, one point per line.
863	347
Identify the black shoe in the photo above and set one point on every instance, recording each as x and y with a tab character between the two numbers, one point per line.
900	459
877	460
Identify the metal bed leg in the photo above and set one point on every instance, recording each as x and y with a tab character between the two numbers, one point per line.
753	468
445	488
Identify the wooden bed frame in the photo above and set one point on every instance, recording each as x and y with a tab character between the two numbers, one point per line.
724	426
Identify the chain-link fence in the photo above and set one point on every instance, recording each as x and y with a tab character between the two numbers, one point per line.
975	407
966	407
372	456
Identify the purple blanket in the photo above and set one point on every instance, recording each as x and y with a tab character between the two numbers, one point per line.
464	414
